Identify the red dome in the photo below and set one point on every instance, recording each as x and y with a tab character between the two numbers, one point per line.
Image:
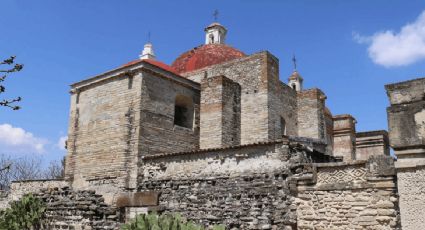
205	55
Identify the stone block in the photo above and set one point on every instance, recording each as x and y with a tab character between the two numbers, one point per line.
137	199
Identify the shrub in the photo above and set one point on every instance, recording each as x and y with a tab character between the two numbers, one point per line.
23	214
164	222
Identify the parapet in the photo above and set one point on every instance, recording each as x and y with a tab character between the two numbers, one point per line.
371	143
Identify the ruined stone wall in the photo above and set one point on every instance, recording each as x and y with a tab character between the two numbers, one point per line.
20	188
70	209
311	114
103	132
244	188
251	74
411	187
220	113
349	196
159	133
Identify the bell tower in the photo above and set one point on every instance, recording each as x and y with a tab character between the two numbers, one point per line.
295	81
147	52
215	33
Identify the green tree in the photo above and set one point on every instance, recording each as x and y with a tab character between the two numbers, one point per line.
8	66
24	214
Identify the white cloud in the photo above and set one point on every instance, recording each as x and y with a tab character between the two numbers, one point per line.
61	142
17	140
391	49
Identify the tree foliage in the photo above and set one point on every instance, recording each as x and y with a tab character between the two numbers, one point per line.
23	214
8	66
27	168
153	221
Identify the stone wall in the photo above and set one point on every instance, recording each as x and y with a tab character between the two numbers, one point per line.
121	115
159	133
358	195
411	187
220	112
406	122
69	209
245	187
344	135
371	143
252	75
311	114
103	132
20	188
282	104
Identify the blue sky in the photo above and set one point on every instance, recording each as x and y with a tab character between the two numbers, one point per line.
349	49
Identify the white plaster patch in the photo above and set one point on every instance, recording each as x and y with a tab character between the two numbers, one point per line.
420	123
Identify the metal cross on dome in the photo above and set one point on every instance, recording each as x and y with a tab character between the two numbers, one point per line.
294	60
215	14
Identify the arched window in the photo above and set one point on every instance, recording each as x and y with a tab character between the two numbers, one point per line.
294	86
282	127
211	39
183	111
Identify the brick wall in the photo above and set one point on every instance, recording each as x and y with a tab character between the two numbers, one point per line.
220	113
282	101
103	132
251	74
311	114
159	133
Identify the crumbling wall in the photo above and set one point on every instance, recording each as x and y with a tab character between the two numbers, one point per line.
20	188
246	187
224	186
69	209
358	195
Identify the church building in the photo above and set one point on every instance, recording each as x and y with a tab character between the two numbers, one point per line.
214	132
